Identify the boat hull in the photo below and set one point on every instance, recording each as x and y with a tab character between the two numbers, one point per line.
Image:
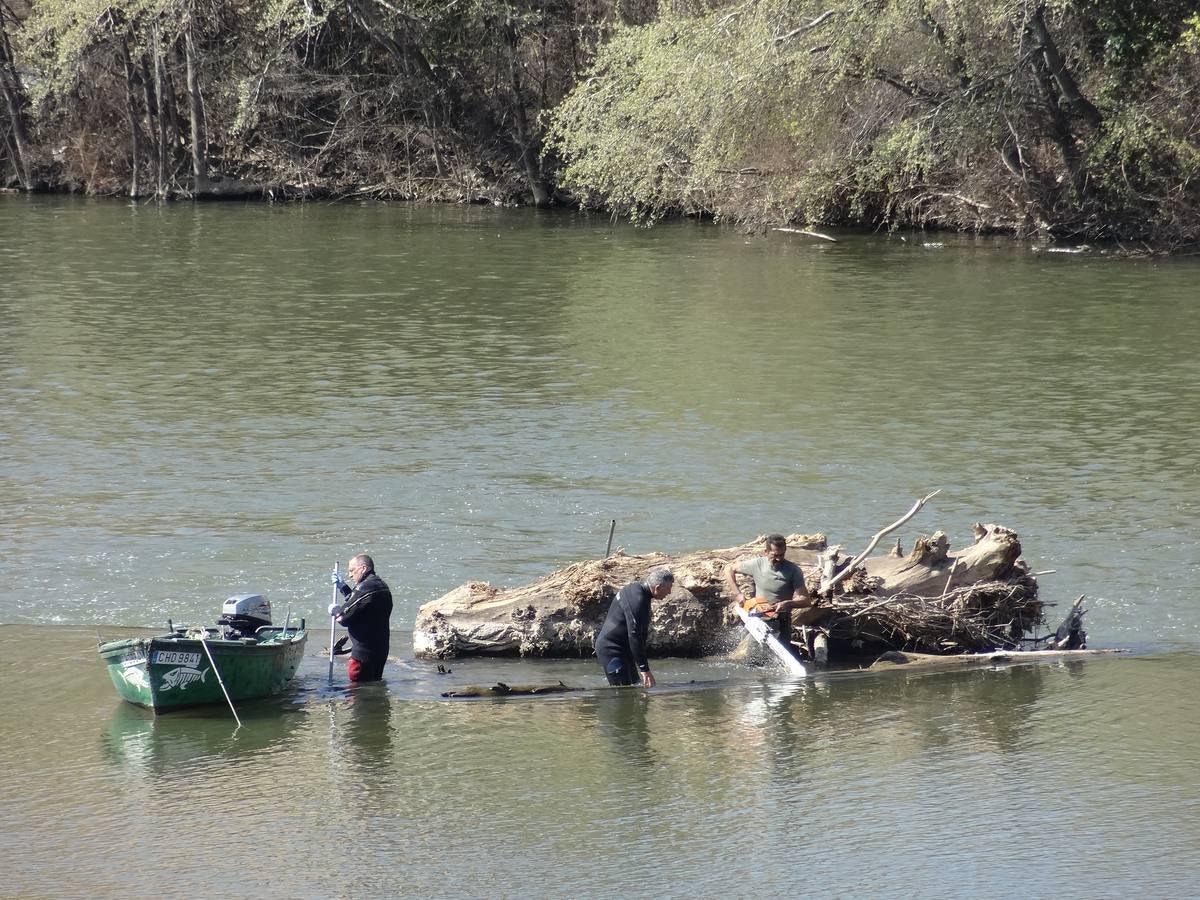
174	671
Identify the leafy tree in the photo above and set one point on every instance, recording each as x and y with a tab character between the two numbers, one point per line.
983	115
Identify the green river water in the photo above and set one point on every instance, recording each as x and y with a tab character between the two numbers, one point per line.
197	401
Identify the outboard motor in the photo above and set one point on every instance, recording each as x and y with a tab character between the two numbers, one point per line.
244	614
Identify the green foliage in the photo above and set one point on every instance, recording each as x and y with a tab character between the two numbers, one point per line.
1189	36
1128	32
58	36
891	112
648	124
1147	161
732	111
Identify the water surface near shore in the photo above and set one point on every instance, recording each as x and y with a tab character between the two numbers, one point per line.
726	780
203	400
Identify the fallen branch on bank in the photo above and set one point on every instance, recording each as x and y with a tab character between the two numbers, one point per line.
815	234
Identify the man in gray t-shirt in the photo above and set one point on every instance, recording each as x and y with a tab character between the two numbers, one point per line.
778	584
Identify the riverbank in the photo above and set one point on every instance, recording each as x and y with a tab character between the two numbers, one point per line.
751	115
928	238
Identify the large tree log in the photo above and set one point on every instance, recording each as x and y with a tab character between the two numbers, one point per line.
559	615
928	601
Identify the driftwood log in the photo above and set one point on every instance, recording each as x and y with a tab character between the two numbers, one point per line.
933	600
890	661
500	689
894	659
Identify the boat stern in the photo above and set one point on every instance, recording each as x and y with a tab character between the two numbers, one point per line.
127	662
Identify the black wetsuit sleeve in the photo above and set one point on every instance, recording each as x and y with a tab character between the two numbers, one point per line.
637	625
360	603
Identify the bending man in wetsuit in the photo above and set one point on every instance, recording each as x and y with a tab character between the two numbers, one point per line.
366	613
621	641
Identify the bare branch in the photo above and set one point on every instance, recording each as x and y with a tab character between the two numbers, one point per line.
783	38
815	234
916	508
978	204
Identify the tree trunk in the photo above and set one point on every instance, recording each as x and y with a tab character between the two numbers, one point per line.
196	115
154	124
135	129
15	100
170	107
164	110
1058	69
1063	102
526	145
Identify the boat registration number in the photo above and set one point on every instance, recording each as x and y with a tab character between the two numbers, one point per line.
176	658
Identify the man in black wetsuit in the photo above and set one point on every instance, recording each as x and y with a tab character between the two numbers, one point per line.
366	613
621	641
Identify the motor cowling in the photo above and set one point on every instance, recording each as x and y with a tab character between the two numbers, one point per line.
244	614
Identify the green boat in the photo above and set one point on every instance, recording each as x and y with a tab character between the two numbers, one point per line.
251	657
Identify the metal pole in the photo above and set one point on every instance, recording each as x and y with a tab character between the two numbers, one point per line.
213	663
333	624
611	529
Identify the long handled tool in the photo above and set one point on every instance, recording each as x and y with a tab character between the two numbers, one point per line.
212	662
762	633
333	623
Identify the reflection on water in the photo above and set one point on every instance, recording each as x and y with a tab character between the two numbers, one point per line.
194	742
727	781
621	723
362	726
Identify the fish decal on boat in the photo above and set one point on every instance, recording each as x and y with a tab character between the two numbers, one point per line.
181	676
136	677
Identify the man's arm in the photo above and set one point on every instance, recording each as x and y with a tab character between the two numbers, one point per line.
731	571
637	625
356	604
802	591
801	596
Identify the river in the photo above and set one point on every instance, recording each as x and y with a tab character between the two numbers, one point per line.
204	400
